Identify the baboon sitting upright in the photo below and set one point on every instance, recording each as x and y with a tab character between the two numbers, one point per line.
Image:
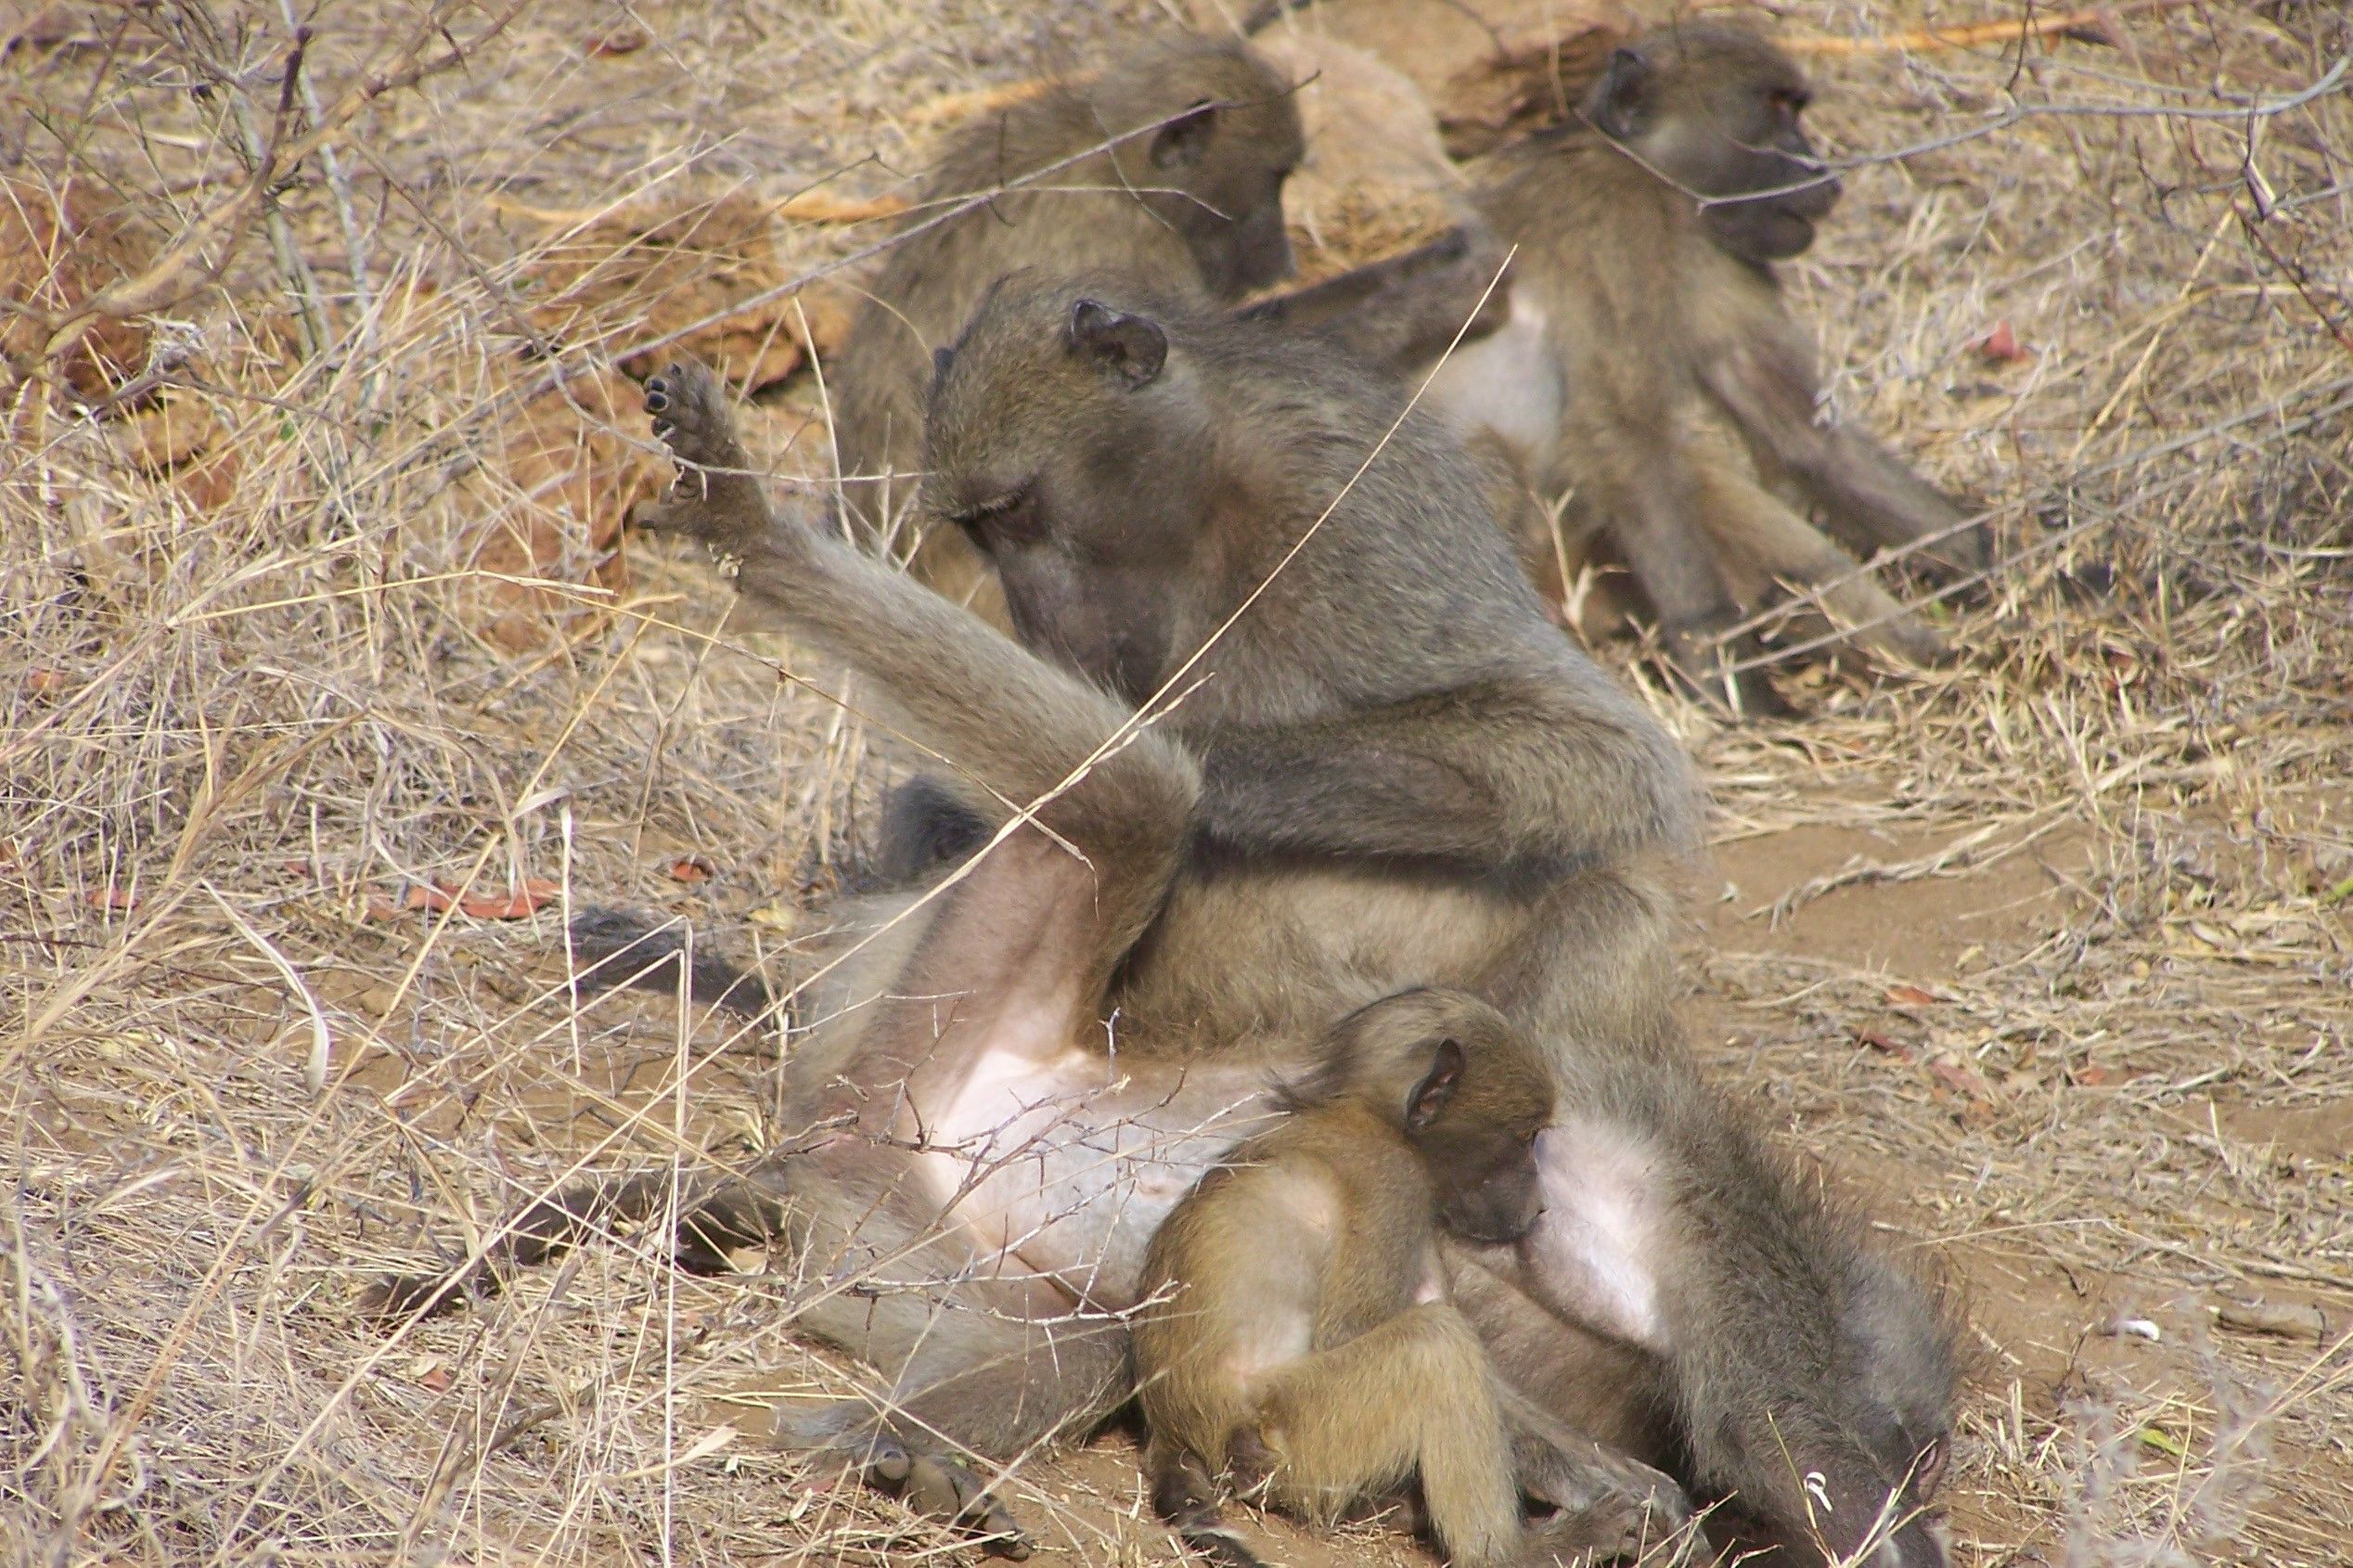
1383	770
1645	315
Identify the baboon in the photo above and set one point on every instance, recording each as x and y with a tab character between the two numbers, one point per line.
1295	1327
1206	134
1645	309
1194	201
1374	765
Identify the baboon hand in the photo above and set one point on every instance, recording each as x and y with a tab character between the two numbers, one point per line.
1609	1504
716	497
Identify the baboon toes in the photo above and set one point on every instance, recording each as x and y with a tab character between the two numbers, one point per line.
939	1487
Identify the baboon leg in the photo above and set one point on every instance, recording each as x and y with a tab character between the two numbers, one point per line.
1871	496
980	1361
1654	522
1412	1394
1757	530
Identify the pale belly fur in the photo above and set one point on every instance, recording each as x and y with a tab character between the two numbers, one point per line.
1066	1165
1507	384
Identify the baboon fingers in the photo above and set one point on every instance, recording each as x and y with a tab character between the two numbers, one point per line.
716	497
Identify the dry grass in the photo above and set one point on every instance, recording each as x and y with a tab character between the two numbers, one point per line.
257	688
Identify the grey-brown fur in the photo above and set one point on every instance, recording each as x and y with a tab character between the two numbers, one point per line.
1389	772
1194	200
1647	313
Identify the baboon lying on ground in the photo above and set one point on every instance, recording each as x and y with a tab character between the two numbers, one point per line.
1385	770
1645	316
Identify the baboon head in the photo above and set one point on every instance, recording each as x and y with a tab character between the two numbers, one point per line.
1072	441
1851	1475
1716	111
1471	1093
1213	171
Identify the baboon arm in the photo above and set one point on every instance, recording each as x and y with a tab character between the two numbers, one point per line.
1871	496
1404	310
1495	775
1017	730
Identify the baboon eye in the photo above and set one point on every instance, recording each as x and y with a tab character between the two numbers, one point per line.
1002	519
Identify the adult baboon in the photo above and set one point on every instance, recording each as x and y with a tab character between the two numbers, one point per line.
1645	311
1203	133
1386	769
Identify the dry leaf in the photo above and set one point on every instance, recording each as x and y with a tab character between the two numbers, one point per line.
45	682
1962	1078
110	897
620	41
647	271
573	463
515	904
2000	346
690	868
59	247
1911	996
179	438
512	904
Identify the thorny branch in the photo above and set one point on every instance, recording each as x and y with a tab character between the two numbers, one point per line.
207	244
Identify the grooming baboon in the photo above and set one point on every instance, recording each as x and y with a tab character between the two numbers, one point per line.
1405	776
1645	308
1193	202
1191	193
1295	1326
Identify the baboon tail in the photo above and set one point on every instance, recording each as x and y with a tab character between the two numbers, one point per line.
714	1216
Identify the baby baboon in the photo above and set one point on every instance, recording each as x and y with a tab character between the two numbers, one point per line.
1405	776
1191	194
1295	1324
1645	309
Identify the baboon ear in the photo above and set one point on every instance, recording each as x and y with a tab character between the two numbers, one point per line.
1615	105
1128	346
1431	1095
941	360
1184	141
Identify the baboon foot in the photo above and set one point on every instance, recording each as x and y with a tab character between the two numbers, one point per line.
1711	666
923	1480
716	497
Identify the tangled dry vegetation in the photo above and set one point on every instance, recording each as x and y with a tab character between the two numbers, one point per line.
331	685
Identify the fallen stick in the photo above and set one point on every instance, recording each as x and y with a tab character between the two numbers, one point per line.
2094	23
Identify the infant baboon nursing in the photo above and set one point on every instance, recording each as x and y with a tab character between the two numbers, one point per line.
1308	910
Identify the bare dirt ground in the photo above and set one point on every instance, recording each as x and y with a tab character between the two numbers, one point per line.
327	698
